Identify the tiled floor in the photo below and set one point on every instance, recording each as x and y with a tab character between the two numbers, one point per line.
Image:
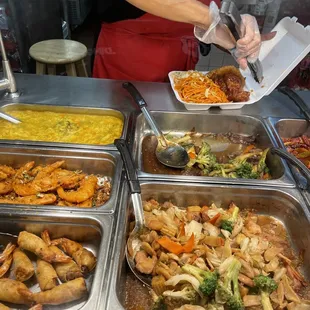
215	59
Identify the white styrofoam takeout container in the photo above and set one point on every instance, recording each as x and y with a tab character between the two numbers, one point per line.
278	56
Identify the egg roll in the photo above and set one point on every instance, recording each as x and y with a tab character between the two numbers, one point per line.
3	307
66	271
46	275
61	294
15	292
36	245
22	266
85	259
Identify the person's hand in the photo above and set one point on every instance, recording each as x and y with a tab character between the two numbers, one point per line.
245	49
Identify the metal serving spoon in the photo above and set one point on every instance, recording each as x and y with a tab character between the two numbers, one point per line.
168	153
9	118
135	189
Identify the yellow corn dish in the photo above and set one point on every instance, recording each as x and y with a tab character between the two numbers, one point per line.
62	127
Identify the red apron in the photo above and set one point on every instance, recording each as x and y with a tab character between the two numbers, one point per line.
145	49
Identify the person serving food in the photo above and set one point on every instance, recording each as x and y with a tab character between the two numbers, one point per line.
160	36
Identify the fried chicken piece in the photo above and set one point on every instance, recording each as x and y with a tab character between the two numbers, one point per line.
231	82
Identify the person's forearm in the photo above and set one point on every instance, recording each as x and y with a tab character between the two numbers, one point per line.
186	11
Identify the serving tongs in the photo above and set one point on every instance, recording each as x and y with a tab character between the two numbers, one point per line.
135	190
230	16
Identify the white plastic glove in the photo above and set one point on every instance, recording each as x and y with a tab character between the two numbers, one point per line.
218	33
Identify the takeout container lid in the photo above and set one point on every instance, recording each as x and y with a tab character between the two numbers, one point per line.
278	56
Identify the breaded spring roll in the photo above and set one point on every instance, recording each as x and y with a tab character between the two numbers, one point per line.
36	245
22	266
85	259
61	294
46	275
15	292
66	271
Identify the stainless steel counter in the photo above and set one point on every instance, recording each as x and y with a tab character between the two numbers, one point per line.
106	93
67	91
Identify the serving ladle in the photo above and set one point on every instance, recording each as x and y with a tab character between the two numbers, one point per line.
167	152
135	189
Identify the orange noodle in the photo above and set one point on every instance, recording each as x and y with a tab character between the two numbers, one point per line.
195	87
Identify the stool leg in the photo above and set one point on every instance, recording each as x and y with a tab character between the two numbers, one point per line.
70	68
51	69
81	68
40	68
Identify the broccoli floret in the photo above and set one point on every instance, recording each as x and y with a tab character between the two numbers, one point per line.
229	222
228	289
176	299
207	279
262	162
241	159
266	286
205	159
159	304
246	171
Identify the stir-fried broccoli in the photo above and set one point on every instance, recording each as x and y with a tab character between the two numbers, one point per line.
205	159
229	223
228	289
262	162
176	299
207	279
159	304
246	171
266	286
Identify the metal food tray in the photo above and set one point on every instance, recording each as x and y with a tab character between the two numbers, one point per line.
289	128
286	205
92	232
104	163
124	116
180	122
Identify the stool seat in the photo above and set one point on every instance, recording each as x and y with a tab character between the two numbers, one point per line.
57	52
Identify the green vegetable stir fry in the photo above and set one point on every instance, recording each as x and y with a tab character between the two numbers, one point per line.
248	164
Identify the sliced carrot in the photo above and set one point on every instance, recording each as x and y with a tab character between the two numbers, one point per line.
175	247
171	246
248	148
192	155
215	218
189	246
266	176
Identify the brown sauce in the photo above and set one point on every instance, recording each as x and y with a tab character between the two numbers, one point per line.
222	148
137	295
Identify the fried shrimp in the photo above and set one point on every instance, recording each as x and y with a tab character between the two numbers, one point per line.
36	245
68	179
84	192
24	184
6	179
9	249
15	292
39	199
66	271
6	265
85	259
